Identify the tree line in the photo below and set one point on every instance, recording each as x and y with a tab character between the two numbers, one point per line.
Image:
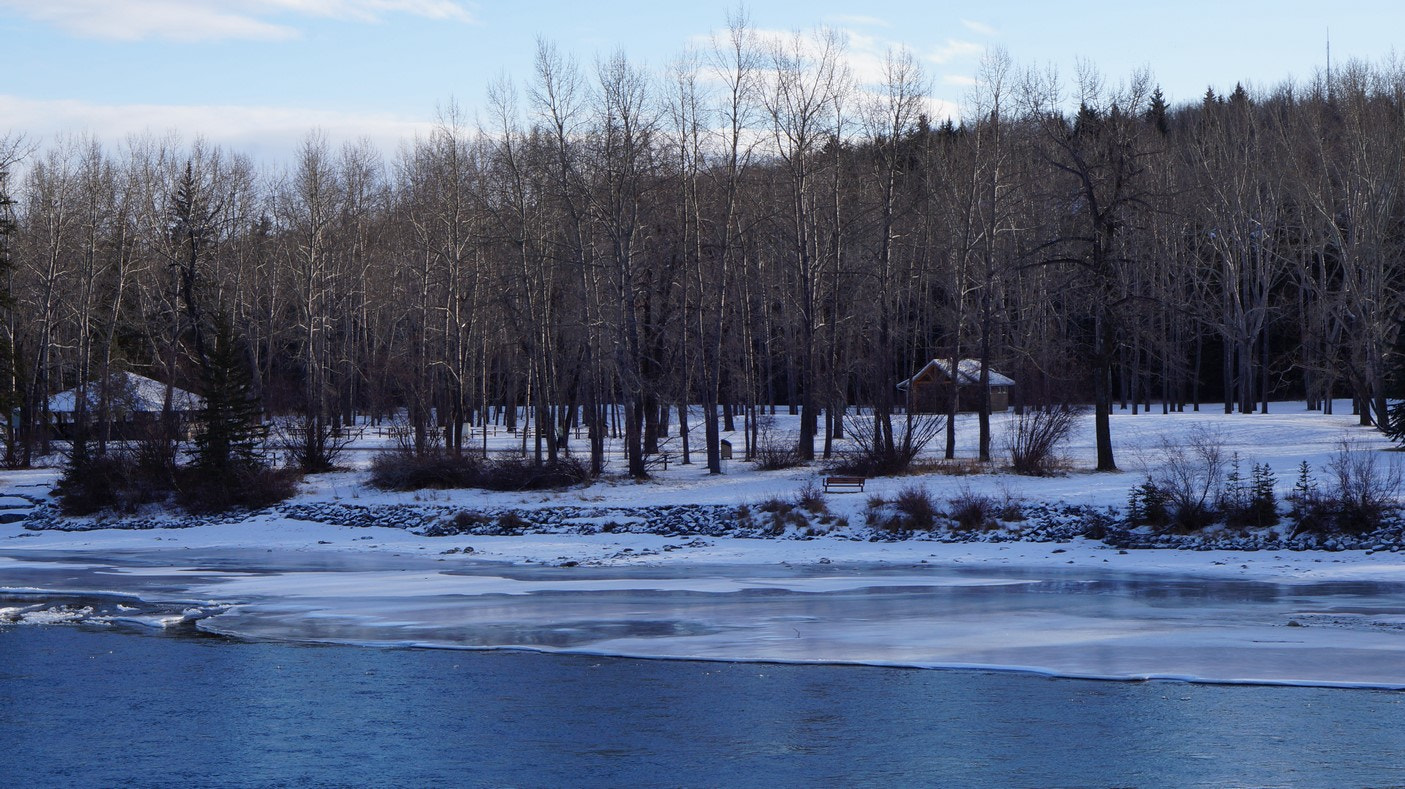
603	247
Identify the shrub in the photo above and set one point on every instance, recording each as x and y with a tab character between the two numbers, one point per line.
511	522
517	472
772	452
773	455
876	450
915	508
1181	493
310	444
1252	502
1147	505
1009	507
743	516
875	511
972	510
782	513
396	470
1036	434
464	520
122	483
407	471
116	482
249	487
1366	490
1308	510
810	498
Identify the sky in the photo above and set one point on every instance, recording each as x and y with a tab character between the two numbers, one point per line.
258	75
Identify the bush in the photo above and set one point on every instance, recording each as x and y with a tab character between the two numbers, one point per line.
251	487
464	520
116	482
915	508
397	470
782	513
871	453
1147	505
973	511
1250	503
1366	490
773	455
1182	492
122	483
1362	494
771	452
1036	434
406	471
1309	511
810	498
312	445
517	472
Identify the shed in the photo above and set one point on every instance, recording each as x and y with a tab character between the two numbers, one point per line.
929	391
134	401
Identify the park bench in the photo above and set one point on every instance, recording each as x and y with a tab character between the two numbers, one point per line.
839	484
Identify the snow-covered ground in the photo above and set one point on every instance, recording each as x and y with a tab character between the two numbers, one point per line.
1283	439
388	585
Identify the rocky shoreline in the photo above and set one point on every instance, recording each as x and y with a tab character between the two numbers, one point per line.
1042	523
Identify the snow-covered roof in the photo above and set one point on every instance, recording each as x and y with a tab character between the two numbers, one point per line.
968	373
128	392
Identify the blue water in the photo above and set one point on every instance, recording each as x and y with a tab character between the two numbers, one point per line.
88	706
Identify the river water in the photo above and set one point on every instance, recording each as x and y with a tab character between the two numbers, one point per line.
238	670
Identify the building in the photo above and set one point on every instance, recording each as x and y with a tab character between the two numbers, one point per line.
929	391
134	403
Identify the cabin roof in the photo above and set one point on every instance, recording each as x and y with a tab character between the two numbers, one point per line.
968	373
128	392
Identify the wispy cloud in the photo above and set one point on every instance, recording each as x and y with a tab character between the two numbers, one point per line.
952	49
979	28
267	132
856	20
211	20
865	53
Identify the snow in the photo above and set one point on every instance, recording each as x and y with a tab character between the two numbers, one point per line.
830	598
968	373
129	392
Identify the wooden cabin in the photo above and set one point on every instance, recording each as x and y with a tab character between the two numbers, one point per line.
929	391
134	403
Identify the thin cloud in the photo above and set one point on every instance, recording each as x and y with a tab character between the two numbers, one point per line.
272	132
979	27
865	53
213	20
953	49
857	20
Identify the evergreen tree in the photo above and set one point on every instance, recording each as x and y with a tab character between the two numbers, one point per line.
1156	112
1394	425
231	422
1240	96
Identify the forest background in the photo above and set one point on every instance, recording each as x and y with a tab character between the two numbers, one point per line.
606	245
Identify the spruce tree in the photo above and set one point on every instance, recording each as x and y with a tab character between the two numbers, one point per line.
1156	112
231	423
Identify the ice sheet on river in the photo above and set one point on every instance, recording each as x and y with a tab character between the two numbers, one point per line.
1068	623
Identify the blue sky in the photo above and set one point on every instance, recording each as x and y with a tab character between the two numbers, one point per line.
257	74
